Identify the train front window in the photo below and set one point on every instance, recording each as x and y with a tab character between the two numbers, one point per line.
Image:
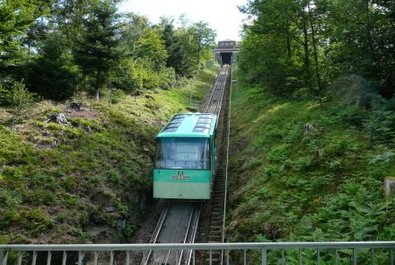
188	153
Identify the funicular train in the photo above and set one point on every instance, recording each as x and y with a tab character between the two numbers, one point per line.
186	157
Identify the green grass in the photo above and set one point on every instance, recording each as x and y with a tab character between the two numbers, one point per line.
287	185
57	180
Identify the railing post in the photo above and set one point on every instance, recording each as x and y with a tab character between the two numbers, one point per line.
282	256
300	256
264	256
391	256
95	257
79	257
3	257
127	257
34	260
20	257
49	258
354	256
111	257
318	257
372	256
64	258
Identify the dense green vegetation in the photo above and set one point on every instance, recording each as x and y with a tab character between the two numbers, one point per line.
59	48
313	119
313	125
74	175
299	48
88	178
302	170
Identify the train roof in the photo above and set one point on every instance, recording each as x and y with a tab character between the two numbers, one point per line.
190	125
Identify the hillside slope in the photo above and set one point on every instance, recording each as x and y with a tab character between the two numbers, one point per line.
304	171
87	179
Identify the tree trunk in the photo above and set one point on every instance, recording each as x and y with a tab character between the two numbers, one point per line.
97	86
289	48
306	40
314	42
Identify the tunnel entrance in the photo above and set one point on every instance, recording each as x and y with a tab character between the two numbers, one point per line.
226	57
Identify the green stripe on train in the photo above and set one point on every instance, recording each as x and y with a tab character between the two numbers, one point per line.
191	191
182	176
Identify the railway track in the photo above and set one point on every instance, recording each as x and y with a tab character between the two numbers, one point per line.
216	206
178	222
214	102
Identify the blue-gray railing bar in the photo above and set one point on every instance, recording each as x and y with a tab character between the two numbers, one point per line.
95	249
203	246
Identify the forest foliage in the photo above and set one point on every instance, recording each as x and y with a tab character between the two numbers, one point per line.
58	48
300	48
316	140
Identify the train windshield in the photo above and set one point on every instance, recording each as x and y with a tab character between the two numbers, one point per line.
188	153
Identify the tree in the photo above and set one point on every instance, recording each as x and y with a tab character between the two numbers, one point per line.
133	27
189	46
98	51
151	49
53	75
360	40
277	51
15	19
204	39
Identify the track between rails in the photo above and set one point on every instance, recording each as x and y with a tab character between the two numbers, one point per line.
178	223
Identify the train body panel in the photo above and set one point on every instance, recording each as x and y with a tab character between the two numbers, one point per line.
182	184
186	157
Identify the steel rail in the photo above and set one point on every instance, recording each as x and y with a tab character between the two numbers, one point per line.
186	236
219	87
194	232
172	240
222	90
156	233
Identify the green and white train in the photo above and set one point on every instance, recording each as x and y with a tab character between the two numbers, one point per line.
186	157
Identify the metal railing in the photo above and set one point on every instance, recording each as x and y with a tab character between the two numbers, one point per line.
378	252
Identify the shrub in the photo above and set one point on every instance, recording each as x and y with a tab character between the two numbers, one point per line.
18	96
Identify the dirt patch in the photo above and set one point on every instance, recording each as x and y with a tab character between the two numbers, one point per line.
83	113
5	116
239	145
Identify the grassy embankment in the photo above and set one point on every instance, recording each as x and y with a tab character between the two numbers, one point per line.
288	184
89	179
